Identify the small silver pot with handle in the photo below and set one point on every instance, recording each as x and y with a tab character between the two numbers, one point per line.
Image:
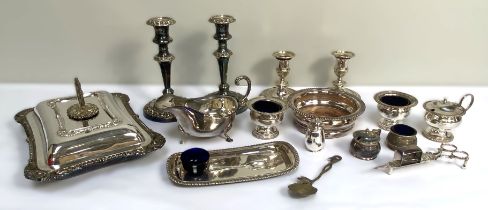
442	116
315	136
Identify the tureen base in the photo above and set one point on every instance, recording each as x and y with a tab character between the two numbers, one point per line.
437	135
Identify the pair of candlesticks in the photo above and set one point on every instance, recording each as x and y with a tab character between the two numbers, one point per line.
154	110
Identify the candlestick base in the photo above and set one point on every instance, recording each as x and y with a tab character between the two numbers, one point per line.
275	93
151	112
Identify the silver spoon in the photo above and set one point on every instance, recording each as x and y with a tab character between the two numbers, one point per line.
303	187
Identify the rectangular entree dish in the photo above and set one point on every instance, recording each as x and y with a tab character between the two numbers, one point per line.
60	147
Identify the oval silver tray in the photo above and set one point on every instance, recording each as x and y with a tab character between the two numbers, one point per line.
241	164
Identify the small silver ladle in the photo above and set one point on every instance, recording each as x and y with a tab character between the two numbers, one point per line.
303	187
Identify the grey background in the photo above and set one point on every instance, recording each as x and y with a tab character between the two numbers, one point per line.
397	42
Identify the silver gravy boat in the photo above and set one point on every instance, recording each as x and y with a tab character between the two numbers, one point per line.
207	116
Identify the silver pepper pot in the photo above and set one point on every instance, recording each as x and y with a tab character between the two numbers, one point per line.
315	136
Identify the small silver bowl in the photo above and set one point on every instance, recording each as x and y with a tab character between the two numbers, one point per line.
394	106
266	113
337	109
400	136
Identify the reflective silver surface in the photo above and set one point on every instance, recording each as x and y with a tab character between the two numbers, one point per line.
394	106
412	155
401	135
241	99
340	70
303	187
442	116
203	117
315	136
266	113
61	147
152	110
241	164
281	90
365	144
156	114
81	110
335	108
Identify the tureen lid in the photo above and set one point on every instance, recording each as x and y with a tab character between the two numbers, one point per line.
68	136
444	107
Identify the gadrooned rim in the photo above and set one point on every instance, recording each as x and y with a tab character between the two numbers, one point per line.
173	178
352	116
32	172
412	99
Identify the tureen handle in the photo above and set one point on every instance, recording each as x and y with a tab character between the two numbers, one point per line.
470	103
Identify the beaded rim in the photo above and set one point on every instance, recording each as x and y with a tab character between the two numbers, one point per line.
170	164
352	116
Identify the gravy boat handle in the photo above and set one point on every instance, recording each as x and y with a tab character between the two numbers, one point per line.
248	83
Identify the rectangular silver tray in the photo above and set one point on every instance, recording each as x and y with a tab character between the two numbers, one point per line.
241	164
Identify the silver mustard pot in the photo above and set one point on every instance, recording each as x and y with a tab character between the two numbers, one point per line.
442	116
365	144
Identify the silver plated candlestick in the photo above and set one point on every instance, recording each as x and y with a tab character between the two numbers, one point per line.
223	54
154	109
340	70
281	91
337	107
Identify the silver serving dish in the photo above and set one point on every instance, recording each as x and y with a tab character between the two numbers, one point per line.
241	164
61	147
337	109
